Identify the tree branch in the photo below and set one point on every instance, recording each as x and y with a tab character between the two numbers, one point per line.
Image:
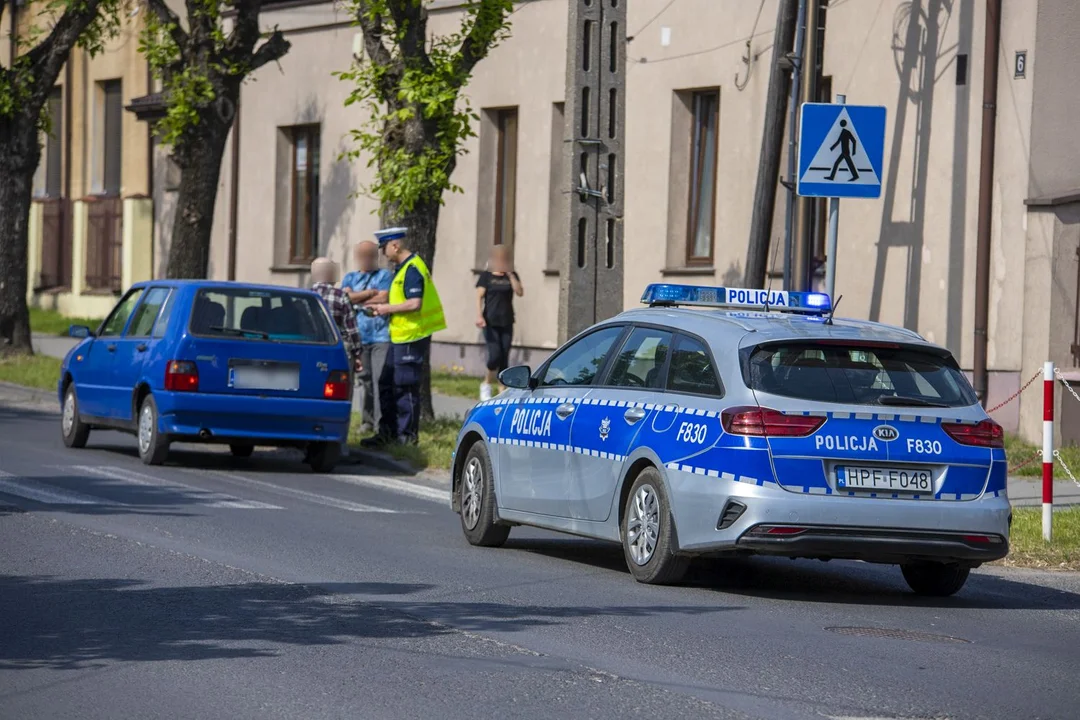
488	21
411	20
48	56
270	51
170	20
372	27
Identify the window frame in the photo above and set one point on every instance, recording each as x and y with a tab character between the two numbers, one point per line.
610	369
104	323
676	333
712	362
312	132
506	179
161	323
601	372
697	155
142	301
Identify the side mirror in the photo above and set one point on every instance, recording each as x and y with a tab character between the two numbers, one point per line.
519	377
80	331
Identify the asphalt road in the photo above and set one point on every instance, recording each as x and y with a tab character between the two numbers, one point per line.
253	589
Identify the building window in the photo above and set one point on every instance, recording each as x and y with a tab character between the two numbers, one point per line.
48	176
108	138
705	117
304	195
506	175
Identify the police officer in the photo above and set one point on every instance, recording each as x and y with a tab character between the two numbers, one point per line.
415	313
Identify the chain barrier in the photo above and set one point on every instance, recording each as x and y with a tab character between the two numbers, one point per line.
1057	456
1016	394
1065	382
1034	456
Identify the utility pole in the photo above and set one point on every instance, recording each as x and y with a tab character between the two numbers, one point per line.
800	262
591	261
772	139
793	134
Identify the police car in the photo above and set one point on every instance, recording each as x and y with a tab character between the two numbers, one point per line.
732	421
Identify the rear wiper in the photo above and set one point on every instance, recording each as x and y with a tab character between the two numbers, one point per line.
905	400
239	333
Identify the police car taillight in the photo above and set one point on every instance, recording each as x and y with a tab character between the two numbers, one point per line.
984	434
765	422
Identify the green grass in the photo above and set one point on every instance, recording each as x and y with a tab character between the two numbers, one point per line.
50	322
1018	451
457	384
38	371
436	443
1028	548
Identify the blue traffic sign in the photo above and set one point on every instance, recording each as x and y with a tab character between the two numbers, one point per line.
841	148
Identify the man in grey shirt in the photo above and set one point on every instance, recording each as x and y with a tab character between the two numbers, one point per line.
371	284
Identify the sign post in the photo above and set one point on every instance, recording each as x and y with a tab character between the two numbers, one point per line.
841	149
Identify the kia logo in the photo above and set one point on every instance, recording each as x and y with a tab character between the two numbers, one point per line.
886	433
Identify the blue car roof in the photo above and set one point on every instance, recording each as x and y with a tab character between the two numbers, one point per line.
220	284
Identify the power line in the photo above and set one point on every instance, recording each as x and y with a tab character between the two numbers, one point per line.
646	61
651	21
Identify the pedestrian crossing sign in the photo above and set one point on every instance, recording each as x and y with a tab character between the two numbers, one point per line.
841	148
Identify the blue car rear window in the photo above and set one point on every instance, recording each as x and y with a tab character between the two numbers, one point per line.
258	314
859	374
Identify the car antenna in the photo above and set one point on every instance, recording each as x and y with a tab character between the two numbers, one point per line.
833	311
768	288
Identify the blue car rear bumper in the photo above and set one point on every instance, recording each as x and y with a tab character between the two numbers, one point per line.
230	417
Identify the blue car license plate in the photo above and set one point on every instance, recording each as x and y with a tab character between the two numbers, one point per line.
891	479
281	377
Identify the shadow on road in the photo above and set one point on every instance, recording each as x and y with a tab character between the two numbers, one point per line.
61	624
836	582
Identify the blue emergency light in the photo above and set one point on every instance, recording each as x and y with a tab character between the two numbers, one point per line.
814	303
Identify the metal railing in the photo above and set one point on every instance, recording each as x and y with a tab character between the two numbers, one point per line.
55	243
104	241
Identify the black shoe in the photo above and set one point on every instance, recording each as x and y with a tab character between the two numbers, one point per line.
376	442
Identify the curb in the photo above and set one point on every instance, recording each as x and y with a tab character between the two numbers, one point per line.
24	394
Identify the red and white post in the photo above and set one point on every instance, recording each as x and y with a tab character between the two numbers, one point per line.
1048	452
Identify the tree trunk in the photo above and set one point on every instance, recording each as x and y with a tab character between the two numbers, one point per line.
200	169
19	156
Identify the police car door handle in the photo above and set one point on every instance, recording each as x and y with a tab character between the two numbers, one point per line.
633	415
564	410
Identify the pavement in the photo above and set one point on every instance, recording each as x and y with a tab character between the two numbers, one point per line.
218	587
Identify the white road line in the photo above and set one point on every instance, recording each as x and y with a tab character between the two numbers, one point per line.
45	494
401	487
205	498
292	492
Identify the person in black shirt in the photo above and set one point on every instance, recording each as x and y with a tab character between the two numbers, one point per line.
495	291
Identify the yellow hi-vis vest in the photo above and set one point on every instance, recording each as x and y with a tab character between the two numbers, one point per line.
429	319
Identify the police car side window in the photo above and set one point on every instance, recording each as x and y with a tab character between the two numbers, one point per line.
579	363
692	369
640	363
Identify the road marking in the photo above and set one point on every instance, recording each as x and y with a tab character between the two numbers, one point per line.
204	497
398	486
45	494
292	492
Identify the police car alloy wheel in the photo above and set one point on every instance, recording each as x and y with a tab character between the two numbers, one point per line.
477	500
648	533
75	431
935	579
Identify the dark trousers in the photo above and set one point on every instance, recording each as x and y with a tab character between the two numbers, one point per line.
407	362
498	341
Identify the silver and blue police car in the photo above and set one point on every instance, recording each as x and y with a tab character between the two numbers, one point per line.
732	421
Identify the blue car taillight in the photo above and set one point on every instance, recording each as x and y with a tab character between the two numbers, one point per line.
181	376
337	386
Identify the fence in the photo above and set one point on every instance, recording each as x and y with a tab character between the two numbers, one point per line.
55	243
104	243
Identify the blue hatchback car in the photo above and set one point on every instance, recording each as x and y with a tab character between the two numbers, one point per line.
211	362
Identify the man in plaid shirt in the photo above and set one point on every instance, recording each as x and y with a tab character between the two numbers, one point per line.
324	277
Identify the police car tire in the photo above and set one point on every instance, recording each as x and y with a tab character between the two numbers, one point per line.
935	579
665	567
488	532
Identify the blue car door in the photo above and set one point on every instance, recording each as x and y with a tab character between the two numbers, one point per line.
608	423
132	348
95	373
534	438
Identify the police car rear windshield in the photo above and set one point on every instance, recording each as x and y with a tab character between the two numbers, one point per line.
255	314
857	374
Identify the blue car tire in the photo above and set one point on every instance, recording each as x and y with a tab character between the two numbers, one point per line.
153	447
73	429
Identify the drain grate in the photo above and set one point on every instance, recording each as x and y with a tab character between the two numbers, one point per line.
893	634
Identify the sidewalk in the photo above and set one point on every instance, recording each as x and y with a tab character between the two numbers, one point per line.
1028	491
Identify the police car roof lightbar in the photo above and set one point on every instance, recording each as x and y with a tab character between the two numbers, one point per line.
813	303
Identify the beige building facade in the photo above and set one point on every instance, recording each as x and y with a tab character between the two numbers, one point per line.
695	109
91	217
